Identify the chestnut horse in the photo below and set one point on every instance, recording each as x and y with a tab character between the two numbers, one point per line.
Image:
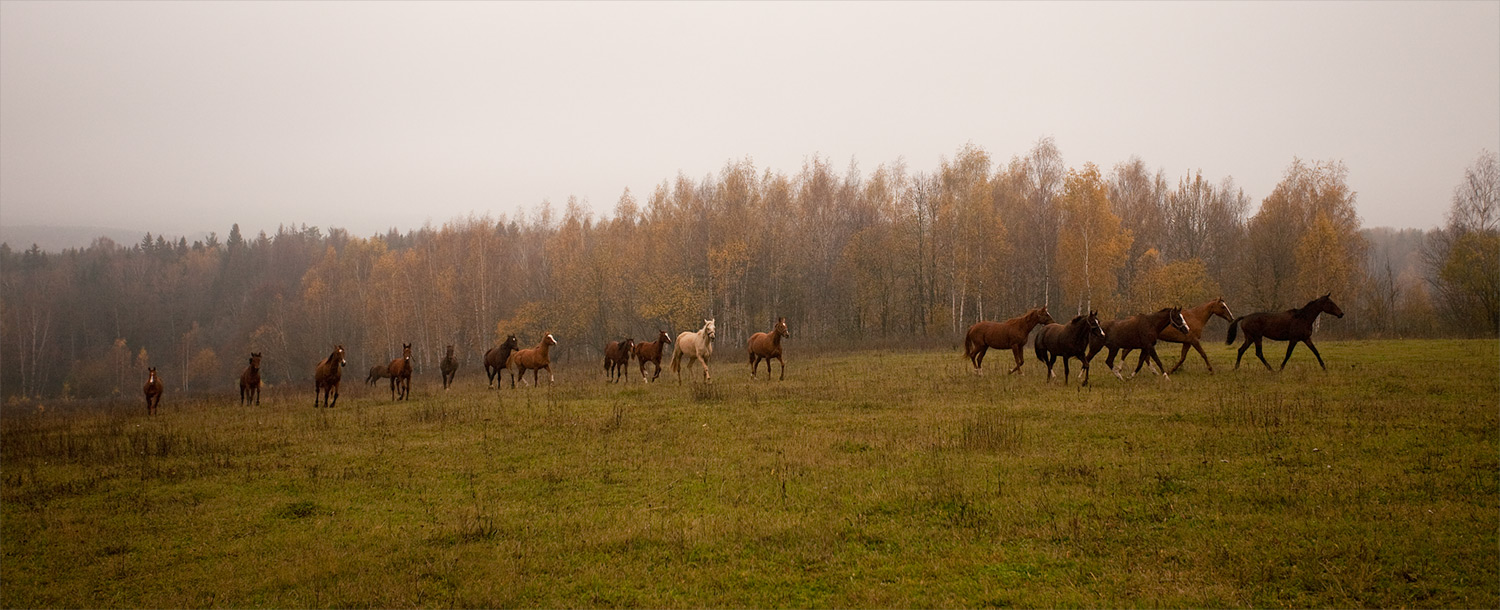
1197	318
651	352
534	359
1066	341
1137	332
1010	334
496	358
617	358
449	367
153	390
250	380
326	377
698	345
400	372
1292	325
377	373
765	346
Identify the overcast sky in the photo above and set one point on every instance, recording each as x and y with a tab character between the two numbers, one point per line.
187	117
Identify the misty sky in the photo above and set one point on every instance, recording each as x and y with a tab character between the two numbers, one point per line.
186	117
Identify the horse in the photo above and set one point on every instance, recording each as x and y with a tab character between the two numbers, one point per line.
1066	341
250	380
449	367
617	358
1137	332
400	372
496	358
152	390
1292	325
1197	318
1010	334
534	359
326	377
698	345
651	352
377	373
765	346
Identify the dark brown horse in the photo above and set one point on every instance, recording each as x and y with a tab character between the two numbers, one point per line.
377	373
534	359
449	367
153	390
1197	319
617	358
326	377
651	352
495	360
1137	332
250	380
1066	341
1010	334
765	346
1292	325
400	372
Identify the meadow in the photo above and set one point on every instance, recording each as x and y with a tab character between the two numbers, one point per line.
866	479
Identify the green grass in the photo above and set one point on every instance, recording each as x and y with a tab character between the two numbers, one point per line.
865	479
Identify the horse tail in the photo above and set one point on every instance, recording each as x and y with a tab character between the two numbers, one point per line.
676	360
1234	328
969	345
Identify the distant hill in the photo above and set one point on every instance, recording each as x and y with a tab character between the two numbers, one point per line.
57	239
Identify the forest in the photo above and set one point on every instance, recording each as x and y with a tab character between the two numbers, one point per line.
852	259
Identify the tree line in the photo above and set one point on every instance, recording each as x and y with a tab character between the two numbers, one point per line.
852	258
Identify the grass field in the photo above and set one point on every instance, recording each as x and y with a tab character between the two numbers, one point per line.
865	479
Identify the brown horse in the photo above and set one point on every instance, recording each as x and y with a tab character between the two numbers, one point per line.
326	377
1010	334
377	373
617	358
496	358
449	367
1066	341
765	346
699	345
1197	318
400	371
534	359
250	380
153	390
651	352
1137	332
1291	325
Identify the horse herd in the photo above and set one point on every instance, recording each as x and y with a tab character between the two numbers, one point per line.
1083	337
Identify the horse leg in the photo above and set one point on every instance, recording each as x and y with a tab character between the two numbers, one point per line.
1315	353
783	368
1017	351
1242	353
1065	370
1184	357
706	376
1109	361
1198	346
978	358
551	378
1261	355
1291	345
1157	360
755	364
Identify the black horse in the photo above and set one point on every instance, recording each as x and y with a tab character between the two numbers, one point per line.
1292	325
1066	341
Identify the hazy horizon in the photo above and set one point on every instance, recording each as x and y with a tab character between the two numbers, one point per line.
187	118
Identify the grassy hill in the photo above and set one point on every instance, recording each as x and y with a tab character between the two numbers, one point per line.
864	479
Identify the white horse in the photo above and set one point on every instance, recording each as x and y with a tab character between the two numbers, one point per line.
698	345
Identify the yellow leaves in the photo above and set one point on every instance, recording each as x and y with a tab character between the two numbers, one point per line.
1322	266
1175	284
1091	244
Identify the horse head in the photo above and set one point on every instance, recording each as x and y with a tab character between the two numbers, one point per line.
1328	306
1174	317
150	374
1042	317
255	360
708	329
663	337
449	351
338	350
781	328
1221	308
511	342
406	351
548	340
1094	327
629	345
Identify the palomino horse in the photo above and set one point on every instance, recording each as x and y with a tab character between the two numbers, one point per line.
400	372
377	373
698	345
1197	318
651	352
449	367
1066	341
326	377
1137	332
617	358
534	359
765	346
1010	334
1291	325
153	390
496	358
250	380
